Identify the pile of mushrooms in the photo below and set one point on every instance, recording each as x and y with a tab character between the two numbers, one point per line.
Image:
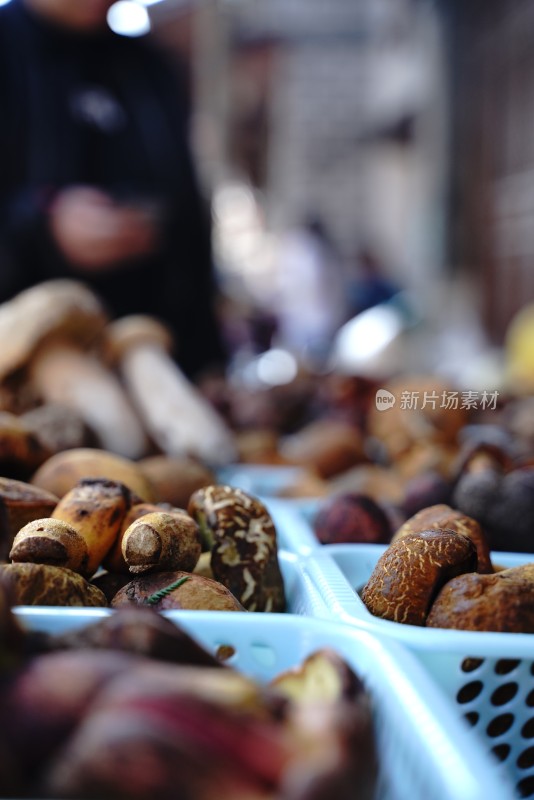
60	347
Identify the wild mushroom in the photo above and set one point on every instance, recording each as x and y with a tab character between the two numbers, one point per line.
352	517
501	602
409	574
241	535
20	503
161	541
178	417
46	333
443	516
500	496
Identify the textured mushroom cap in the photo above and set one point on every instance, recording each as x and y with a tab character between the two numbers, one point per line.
443	516
134	330
60	308
62	471
409	574
501	602
48	585
242	538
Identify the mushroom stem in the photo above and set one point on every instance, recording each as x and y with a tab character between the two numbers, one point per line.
47	332
176	415
63	373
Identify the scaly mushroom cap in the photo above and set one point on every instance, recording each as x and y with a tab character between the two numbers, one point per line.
244	550
53	309
501	602
20	503
443	516
409	574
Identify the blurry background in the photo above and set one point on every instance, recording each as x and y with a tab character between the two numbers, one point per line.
401	130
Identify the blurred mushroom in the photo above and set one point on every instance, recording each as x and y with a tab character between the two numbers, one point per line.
502	502
429	418
22	450
62	471
352	517
326	446
426	489
177	416
175	479
411	571
58	427
46	333
21	503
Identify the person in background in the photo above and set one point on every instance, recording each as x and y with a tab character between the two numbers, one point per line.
97	180
371	286
310	291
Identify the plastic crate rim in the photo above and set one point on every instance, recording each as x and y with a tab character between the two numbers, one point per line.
326	574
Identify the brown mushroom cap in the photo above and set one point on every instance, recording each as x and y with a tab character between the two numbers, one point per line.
174	479
22	450
243	544
412	570
443	516
501	602
62	471
326	446
49	585
20	503
193	592
53	309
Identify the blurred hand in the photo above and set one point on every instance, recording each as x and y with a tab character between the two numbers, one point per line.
95	233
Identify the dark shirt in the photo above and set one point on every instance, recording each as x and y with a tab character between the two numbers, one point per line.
106	111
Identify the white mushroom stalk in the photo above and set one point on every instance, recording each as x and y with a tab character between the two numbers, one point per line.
180	420
62	374
47	333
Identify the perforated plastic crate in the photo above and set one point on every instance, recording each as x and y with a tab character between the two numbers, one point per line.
260	479
291	519
268	482
302	595
425	752
489	676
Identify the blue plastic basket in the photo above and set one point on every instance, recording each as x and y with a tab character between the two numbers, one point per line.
489	676
260	479
291	519
302	595
425	751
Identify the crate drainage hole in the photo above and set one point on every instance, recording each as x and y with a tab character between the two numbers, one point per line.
500	725
526	787
501	751
503	694
506	665
470	664
526	758
469	692
472	718
225	652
